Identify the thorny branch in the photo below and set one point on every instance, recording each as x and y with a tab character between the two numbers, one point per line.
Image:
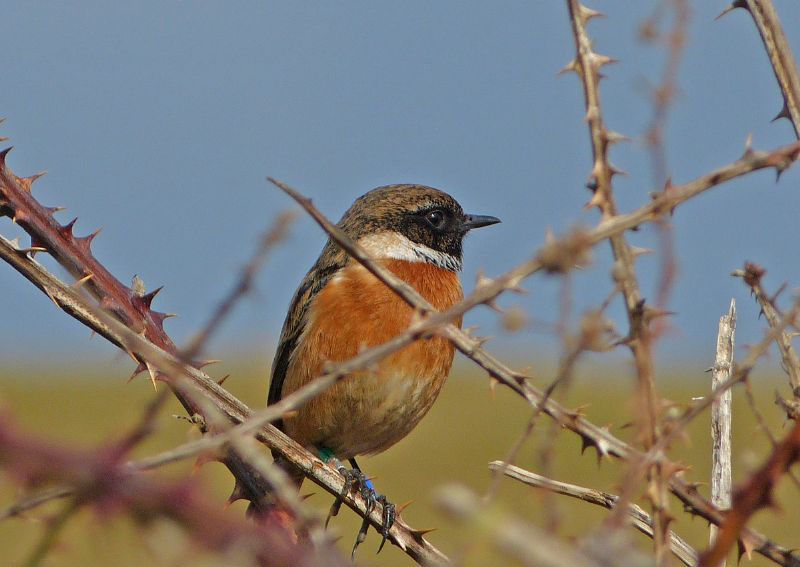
99	477
557	257
779	53
751	274
755	494
141	330
641	520
194	388
197	383
587	65
663	96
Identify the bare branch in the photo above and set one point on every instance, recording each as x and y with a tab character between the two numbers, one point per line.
588	64
756	493
641	520
721	416
520	541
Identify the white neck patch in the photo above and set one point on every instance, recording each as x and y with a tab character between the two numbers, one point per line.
395	246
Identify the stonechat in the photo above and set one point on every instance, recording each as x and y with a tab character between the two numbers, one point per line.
340	308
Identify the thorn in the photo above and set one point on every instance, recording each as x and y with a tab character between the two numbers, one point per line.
86	241
160	317
52	298
27	182
784	113
153	374
637	251
571	67
67	228
652	313
221	381
746	545
238	493
596	60
733	6
203	363
202	460
613	170
422	533
53	210
3	155
307	496
147	298
668	185
586	442
399	508
482	280
585	13
82	281
32	250
748	145
615	137
140	367
596	201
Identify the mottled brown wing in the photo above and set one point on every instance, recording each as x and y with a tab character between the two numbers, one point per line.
320	274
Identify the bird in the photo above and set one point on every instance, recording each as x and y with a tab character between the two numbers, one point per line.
341	308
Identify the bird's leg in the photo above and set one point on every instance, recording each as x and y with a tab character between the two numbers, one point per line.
349	480
371	496
354	478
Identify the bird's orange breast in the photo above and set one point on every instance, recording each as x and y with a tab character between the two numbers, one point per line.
373	409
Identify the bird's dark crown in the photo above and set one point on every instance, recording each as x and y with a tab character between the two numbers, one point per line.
411	222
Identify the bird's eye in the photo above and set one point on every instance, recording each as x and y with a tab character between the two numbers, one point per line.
435	219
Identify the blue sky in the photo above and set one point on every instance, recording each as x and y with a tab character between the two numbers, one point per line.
159	121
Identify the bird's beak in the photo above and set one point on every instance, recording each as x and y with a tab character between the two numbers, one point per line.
477	221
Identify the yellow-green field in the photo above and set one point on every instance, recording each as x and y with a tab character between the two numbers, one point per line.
469	426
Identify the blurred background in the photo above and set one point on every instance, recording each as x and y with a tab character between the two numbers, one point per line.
159	122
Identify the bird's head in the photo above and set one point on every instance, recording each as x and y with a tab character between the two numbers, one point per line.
411	222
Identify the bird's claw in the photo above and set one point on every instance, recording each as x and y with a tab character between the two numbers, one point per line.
387	519
350	478
355	479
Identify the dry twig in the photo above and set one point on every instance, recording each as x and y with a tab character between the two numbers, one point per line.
641	520
756	493
587	65
721	415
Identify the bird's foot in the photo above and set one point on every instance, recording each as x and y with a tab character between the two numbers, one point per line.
354	479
